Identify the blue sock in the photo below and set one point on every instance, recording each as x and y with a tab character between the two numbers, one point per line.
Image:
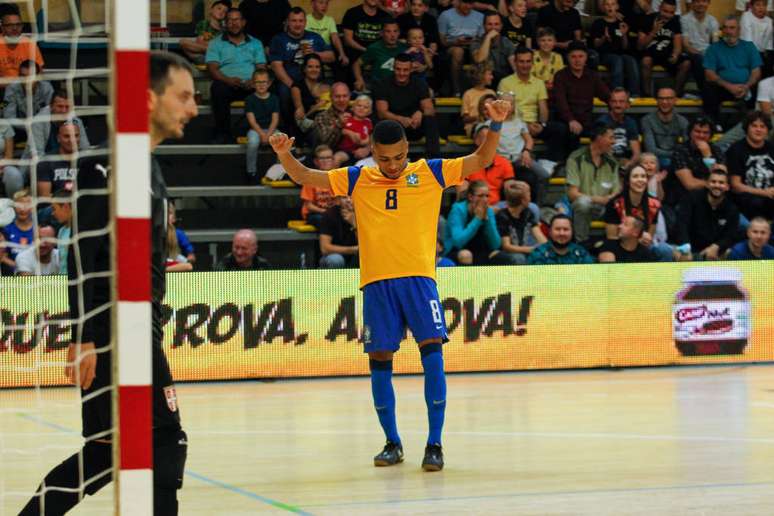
384	397
435	390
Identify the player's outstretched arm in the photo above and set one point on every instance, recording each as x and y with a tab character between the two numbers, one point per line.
295	169
482	157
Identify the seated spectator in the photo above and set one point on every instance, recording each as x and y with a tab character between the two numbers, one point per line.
627	247
41	259
656	174
15	48
626	148
417	17
20	233
329	123
592	180
564	19
732	67
660	40
560	248
517	145
756	27
338	235
355	141
6	264
574	90
13	179
546	61
244	254
458	28
310	95
206	30
634	200
264	18
394	8
751	167
693	161
362	26
379	57
765	97
757	246
45	127
532	102
62	211
318	200
494	175
471	230
231	61
482	78
663	129
699	32
262	111
518	226
421	56
407	100
288	52
494	48
16	101
708	218
325	26
184	244
742	5
176	259
58	172
610	37
519	29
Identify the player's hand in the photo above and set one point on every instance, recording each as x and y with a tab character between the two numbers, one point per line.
498	110
280	142
81	368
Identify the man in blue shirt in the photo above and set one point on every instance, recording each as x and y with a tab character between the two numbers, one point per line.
732	67
231	60
287	52
458	28
757	246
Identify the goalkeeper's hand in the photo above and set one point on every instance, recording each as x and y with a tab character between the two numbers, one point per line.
81	365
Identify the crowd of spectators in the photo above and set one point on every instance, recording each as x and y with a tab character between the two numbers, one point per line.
661	183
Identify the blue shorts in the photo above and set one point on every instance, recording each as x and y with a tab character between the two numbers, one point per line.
391	305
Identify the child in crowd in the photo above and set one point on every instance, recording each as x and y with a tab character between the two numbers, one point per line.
517	27
61	210
421	57
546	62
206	30
319	22
355	141
482	77
317	200
649	162
757	27
177	261
610	37
20	233
262	112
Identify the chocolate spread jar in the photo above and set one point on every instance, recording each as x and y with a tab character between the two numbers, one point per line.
711	314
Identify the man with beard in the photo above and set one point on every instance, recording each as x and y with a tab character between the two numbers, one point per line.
757	246
171	105
518	226
751	166
708	219
627	248
663	129
560	249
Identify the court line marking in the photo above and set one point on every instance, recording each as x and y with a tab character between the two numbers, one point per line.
646	489
197	476
556	435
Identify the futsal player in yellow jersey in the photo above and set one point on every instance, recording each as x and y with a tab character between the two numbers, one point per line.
397	204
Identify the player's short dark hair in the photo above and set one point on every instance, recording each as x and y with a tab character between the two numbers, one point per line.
756	116
403	58
578	45
559	216
160	64
388	132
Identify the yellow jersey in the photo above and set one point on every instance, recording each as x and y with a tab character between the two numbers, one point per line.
397	219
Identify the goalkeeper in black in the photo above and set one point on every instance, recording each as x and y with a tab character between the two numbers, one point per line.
171	105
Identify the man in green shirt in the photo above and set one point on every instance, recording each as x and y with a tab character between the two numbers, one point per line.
379	56
592	179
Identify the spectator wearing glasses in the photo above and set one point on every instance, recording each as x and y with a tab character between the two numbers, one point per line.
471	229
15	48
663	129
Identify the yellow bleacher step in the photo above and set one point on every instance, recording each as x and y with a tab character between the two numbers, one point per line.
282	183
460	139
448	101
657	68
558	181
422	141
238	104
597	224
201	67
242	140
301	226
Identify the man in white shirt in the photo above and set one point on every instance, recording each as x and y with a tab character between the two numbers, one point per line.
699	29
40	260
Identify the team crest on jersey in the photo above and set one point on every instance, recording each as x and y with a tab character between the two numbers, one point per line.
366	334
412	180
171	396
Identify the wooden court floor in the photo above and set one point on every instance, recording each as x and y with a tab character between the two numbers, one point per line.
682	441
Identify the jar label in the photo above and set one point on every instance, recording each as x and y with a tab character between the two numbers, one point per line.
711	320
